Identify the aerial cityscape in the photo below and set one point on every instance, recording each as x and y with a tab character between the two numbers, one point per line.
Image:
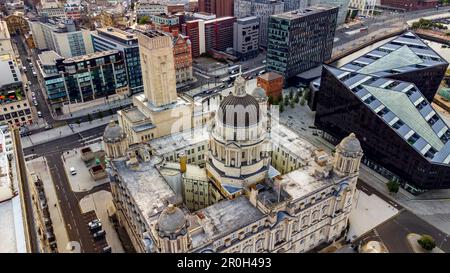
224	126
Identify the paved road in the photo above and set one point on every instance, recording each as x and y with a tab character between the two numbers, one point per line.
69	200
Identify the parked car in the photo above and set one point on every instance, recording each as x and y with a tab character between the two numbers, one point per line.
73	171
107	249
33	94
99	234
35	103
48	127
39	114
95	226
93	222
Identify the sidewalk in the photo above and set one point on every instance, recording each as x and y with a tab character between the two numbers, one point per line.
40	168
63	131
92	107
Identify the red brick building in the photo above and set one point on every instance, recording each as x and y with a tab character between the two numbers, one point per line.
175	8
220	8
195	31
182	53
272	83
410	5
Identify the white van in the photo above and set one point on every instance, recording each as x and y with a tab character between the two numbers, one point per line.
73	171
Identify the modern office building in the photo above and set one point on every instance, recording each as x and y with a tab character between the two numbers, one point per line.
83	78
246	37
262	9
343	6
219	33
221	8
403	137
104	39
364	7
195	30
290	5
406	58
300	40
65	37
160	20
410	5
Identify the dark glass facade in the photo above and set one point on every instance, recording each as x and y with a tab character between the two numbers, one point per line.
340	112
300	40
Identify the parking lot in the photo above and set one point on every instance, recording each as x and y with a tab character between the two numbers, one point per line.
99	243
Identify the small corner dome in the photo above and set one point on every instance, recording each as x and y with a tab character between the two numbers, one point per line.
171	220
259	93
350	144
113	132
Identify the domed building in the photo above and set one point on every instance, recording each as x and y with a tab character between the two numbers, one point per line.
115	140
238	156
172	230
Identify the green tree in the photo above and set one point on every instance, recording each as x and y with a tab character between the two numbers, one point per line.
281	108
78	121
89	117
303	101
143	20
427	242
292	104
296	99
286	101
291	94
100	115
111	112
270	100
280	99
393	186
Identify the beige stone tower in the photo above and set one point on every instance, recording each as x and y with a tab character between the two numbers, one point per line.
157	64
348	156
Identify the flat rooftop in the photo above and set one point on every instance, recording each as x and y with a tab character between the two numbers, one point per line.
115	32
295	14
147	187
90	56
179	141
49	57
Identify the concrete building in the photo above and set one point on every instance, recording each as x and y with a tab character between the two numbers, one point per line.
83	78
149	8
161	20
219	33
64	37
290	5
262	9
195	31
221	8
300	40
173	8
343	6
364	7
14	230
239	202
50	9
246	37
158	111
104	39
5	40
